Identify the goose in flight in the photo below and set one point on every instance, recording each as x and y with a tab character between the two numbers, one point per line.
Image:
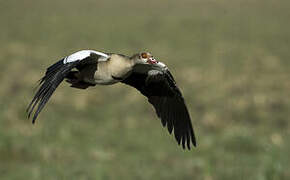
142	71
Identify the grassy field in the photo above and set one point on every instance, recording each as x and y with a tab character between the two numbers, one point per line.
231	59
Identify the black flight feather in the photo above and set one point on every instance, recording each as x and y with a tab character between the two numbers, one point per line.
161	90
54	75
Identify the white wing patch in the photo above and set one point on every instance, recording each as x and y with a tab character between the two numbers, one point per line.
162	65
154	72
80	55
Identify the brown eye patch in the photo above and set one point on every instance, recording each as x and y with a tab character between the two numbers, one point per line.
144	55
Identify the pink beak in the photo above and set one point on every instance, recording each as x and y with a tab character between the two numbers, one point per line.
152	61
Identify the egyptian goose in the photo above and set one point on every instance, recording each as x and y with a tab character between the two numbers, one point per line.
152	78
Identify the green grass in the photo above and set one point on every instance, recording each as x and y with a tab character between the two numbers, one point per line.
230	58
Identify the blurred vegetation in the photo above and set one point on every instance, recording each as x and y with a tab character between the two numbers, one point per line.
230	58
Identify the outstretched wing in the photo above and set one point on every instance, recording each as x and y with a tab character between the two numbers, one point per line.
56	73
159	86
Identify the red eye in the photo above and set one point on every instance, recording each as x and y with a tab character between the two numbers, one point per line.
144	55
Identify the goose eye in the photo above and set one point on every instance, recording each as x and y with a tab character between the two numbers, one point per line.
144	55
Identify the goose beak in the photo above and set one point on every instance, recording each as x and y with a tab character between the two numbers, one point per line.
151	60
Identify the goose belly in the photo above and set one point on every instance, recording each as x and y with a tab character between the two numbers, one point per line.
98	75
104	79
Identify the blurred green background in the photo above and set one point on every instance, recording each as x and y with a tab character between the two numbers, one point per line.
230	58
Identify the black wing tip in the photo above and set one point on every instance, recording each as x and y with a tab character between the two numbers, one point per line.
34	118
194	142
193	138
48	83
186	140
189	145
29	111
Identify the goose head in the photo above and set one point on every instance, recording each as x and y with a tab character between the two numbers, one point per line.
144	58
